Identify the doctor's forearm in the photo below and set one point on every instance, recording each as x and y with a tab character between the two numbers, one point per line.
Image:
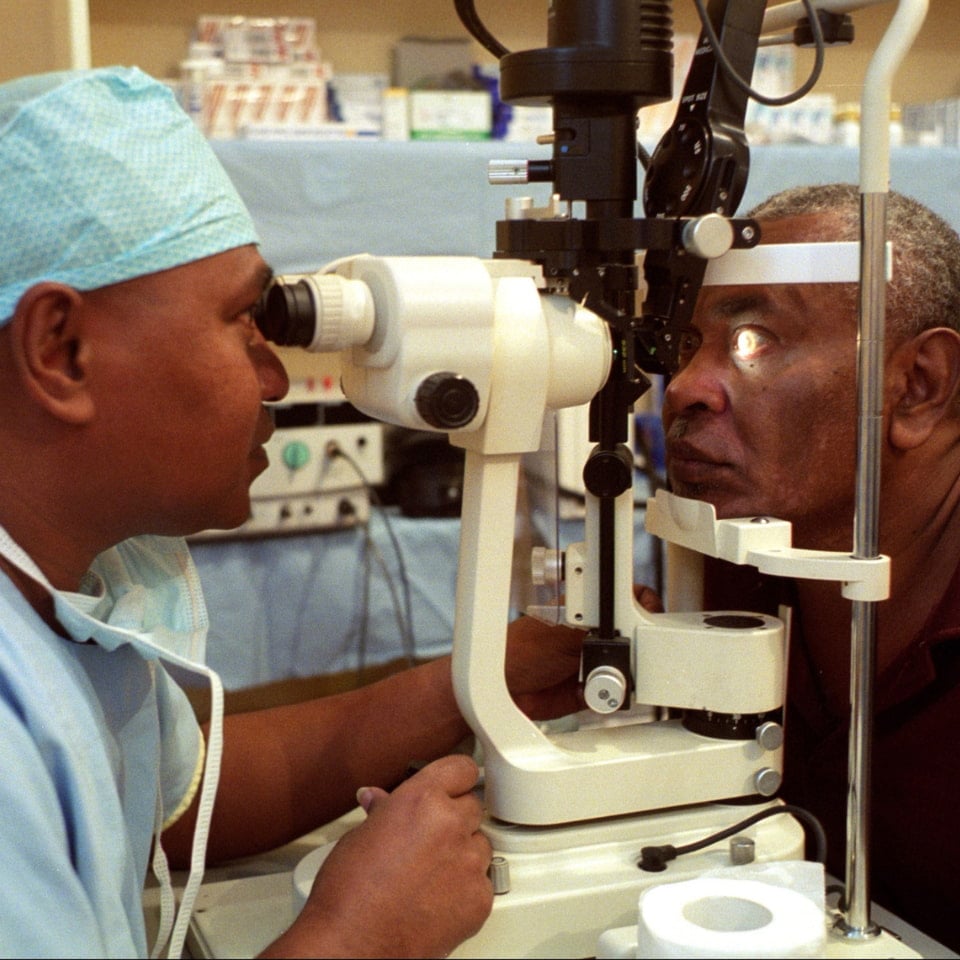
289	769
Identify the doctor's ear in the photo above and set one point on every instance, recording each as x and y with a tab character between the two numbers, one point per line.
924	375
50	352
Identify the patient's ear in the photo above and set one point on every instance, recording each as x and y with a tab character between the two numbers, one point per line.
923	375
50	351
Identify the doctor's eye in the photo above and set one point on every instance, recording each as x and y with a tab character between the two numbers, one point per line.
246	323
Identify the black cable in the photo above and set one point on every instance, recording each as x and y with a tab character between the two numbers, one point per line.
407	636
467	12
655	858
840	891
405	617
403	622
364	624
816	29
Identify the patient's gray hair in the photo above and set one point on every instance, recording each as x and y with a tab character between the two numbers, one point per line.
925	290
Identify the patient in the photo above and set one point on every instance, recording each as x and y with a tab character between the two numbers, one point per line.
761	419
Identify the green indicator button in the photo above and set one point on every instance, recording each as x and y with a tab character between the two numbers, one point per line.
296	454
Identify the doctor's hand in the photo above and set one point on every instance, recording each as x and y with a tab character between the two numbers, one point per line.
543	663
411	881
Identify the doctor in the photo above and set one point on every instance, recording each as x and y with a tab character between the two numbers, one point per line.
132	390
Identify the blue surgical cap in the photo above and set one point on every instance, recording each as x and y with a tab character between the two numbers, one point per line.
103	178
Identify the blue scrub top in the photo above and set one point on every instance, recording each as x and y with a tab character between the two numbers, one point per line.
87	737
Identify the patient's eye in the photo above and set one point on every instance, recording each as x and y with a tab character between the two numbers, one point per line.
750	342
688	343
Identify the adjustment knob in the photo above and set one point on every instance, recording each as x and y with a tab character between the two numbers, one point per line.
767	781
605	689
608	473
546	567
447	401
499	874
708	236
296	455
770	735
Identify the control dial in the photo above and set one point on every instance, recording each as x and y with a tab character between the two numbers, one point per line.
447	401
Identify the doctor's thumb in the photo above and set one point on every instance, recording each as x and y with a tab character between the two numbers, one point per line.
368	796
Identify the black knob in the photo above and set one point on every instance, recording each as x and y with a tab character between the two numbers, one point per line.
607	473
447	401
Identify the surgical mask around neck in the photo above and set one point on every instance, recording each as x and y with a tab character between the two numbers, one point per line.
146	592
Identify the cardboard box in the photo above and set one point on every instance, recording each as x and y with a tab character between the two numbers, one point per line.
450	115
429	61
260	39
231	106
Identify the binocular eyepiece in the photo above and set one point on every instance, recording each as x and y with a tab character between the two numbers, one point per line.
285	313
322	312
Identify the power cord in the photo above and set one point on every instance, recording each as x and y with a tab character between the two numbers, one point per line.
404	611
655	858
816	29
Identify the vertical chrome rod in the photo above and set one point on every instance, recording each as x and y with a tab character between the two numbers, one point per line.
874	187
873	207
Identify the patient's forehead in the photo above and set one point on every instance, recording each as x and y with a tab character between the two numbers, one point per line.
804	228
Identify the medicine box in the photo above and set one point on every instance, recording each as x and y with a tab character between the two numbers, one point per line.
450	114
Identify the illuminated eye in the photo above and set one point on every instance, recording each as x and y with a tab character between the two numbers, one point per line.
749	343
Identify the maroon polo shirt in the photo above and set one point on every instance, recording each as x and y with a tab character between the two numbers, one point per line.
915	837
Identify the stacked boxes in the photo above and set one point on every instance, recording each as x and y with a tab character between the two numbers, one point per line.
263	77
263	40
444	99
255	75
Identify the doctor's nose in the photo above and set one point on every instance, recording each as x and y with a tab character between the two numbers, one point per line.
274	381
